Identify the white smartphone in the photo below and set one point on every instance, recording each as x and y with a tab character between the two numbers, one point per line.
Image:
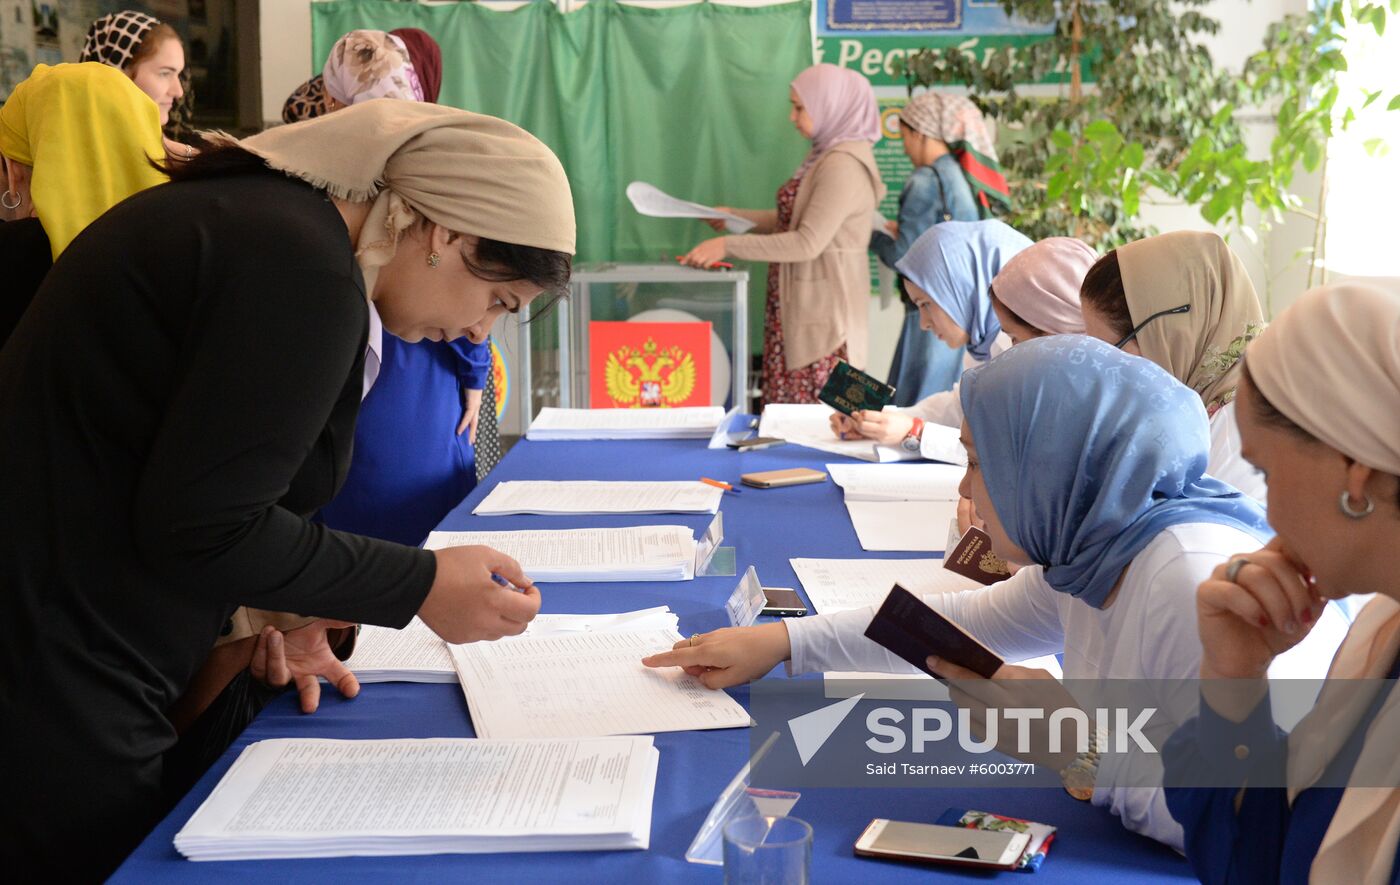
930	843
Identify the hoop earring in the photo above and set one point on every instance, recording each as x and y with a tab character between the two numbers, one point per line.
434	259
5	201
1345	503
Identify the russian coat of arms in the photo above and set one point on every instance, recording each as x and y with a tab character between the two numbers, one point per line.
649	376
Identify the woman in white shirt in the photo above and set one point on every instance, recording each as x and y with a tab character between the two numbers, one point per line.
1087	465
1184	301
947	273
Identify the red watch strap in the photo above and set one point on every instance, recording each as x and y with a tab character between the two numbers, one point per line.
917	431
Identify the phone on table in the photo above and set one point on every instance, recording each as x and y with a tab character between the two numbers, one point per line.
931	843
755	443
782	602
772	479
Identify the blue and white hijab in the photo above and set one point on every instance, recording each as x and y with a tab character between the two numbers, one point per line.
955	262
1088	453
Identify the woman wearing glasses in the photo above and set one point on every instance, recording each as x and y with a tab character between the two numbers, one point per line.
1184	301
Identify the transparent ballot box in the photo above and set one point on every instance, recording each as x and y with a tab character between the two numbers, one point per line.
553	351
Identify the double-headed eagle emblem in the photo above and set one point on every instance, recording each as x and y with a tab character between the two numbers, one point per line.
649	376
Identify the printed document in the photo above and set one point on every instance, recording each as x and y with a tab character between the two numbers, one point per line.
808	424
648	199
685	422
584	685
591	496
635	553
335	798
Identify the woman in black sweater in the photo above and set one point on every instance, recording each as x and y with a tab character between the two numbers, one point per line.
180	395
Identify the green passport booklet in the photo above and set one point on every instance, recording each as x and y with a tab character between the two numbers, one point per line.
850	390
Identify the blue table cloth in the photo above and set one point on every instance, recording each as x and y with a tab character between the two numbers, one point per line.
766	527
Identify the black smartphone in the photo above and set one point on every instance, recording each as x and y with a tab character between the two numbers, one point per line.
782	602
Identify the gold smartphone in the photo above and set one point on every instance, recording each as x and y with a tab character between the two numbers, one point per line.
772	479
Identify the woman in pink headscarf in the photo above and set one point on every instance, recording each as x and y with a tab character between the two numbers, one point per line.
815	240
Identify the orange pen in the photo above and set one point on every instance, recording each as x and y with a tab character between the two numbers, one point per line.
719	484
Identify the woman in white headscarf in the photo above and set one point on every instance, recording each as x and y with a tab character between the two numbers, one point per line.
1319	413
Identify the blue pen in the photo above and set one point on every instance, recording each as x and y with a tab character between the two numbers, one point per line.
504	583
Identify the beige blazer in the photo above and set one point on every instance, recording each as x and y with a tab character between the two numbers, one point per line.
823	264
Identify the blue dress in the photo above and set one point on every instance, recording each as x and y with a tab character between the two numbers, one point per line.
922	364
1265	840
409	466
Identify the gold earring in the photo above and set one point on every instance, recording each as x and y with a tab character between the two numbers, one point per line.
434	259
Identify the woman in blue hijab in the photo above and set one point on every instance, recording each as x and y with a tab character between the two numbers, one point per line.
1088	465
948	274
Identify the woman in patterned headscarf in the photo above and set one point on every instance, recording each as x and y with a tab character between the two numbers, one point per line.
955	123
149	52
1184	301
364	65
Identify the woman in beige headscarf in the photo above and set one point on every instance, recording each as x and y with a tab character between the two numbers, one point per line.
1184	301
209	381
1319	412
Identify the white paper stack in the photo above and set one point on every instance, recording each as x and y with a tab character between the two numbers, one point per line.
417	654
900	506
807	424
836	585
687	422
635	553
413	654
551	497
586	684
897	482
327	798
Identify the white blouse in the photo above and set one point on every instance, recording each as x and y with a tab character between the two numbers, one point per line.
944	407
1226	463
1149	632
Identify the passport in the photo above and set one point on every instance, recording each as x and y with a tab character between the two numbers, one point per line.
905	625
848	390
972	557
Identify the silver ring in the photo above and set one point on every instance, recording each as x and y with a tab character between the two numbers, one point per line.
1232	571
693	637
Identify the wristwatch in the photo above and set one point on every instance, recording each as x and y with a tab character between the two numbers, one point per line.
1080	775
911	441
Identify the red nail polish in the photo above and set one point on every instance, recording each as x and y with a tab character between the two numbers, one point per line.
1307	616
1263	621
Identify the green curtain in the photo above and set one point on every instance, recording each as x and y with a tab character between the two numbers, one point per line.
693	99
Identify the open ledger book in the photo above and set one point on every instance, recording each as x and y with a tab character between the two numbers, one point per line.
417	654
634	553
900	506
808	424
585	684
578	496
327	798
686	422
